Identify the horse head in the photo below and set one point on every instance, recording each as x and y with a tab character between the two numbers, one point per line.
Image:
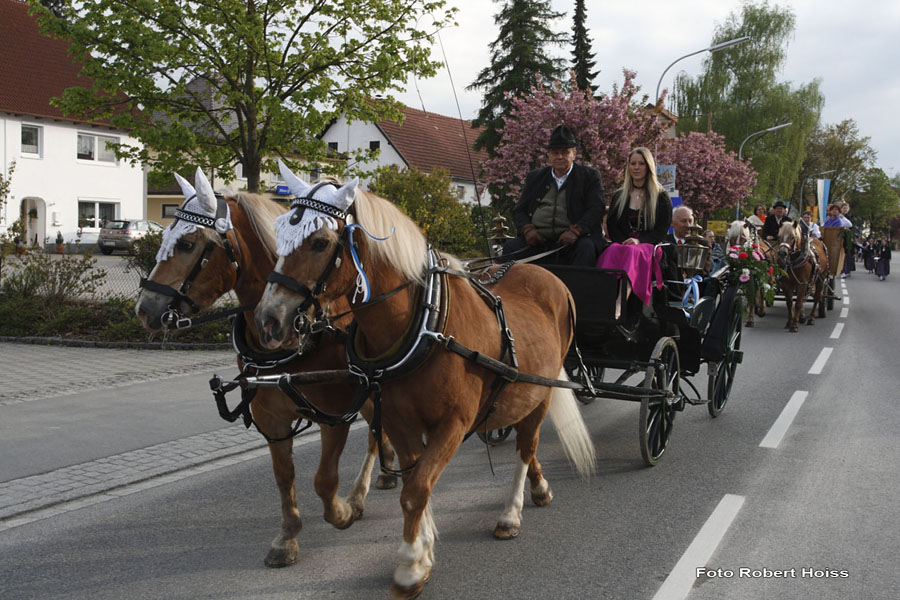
202	251
738	233
789	240
315	265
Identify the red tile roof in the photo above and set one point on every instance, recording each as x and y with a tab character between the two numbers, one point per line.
427	140
33	68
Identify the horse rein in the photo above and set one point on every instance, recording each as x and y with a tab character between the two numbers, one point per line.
173	317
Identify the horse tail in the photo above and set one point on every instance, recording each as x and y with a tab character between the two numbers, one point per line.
572	432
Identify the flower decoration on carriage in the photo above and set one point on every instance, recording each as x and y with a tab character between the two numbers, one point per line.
747	266
200	209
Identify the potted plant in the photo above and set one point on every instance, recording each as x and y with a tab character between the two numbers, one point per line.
60	242
32	214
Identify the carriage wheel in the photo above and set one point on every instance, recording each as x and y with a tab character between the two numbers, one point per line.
721	380
658	414
596	376
494	437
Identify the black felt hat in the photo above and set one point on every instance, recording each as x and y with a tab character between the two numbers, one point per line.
562	137
779	203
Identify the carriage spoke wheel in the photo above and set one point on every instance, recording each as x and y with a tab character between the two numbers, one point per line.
658	414
722	378
494	437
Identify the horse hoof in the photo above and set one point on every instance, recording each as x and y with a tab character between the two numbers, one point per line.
760	312
402	592
506	532
794	329
282	557
542	499
749	324
809	321
386	482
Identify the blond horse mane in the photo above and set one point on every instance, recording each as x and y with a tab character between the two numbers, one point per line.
261	212
789	232
405	246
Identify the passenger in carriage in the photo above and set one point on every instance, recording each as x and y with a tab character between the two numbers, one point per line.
682	219
774	221
811	227
640	211
758	218
561	205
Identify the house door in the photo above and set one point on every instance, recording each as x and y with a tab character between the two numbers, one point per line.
34	212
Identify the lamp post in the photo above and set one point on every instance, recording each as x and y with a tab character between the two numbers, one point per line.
713	48
737	212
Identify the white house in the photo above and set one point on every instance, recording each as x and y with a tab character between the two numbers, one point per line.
66	178
422	141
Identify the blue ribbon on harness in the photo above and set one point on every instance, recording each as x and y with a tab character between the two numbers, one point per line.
362	280
692	293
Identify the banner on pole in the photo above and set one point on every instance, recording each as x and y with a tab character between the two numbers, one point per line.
823	186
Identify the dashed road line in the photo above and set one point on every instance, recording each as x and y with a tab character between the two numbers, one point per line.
784	420
844	312
819	365
680	581
836	333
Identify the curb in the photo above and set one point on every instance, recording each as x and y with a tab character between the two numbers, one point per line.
77	343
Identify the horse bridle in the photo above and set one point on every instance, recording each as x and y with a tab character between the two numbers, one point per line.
311	296
219	224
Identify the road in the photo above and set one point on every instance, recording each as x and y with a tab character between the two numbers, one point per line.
789	494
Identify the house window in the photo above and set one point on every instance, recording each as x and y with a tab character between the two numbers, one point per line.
375	145
332	146
95	214
96	147
460	191
168	211
32	138
239	171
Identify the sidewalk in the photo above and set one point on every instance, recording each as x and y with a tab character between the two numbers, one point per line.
34	372
25	368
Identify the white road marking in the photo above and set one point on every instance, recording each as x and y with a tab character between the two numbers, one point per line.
838	328
680	581
784	420
817	367
846	299
844	312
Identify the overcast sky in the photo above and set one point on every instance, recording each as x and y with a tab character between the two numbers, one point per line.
852	47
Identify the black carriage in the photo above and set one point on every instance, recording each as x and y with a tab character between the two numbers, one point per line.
667	341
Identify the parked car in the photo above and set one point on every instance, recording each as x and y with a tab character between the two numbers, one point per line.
118	235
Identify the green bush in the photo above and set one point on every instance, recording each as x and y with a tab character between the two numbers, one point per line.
36	274
143	253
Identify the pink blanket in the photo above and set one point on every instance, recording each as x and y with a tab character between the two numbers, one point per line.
639	263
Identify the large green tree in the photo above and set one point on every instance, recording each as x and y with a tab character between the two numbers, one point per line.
739	92
582	58
875	203
219	82
518	57
839	153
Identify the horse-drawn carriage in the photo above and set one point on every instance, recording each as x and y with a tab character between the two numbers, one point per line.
686	324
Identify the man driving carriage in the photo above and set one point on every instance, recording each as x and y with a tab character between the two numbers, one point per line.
774	221
561	206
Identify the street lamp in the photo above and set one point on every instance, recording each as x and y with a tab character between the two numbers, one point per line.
713	48
737	212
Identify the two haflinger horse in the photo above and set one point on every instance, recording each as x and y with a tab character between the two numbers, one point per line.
804	264
422	335
223	243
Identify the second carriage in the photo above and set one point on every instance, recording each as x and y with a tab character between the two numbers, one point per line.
687	323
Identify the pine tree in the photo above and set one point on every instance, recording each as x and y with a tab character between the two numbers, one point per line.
518	58
582	57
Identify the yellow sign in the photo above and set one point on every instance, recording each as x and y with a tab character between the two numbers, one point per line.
720	228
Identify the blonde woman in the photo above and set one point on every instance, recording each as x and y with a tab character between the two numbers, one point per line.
640	211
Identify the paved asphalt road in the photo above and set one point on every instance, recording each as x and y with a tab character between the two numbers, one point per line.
167	501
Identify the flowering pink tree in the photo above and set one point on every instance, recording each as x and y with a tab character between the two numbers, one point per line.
706	174
607	129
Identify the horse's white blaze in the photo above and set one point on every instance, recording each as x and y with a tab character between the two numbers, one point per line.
416	559
512	510
573	434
